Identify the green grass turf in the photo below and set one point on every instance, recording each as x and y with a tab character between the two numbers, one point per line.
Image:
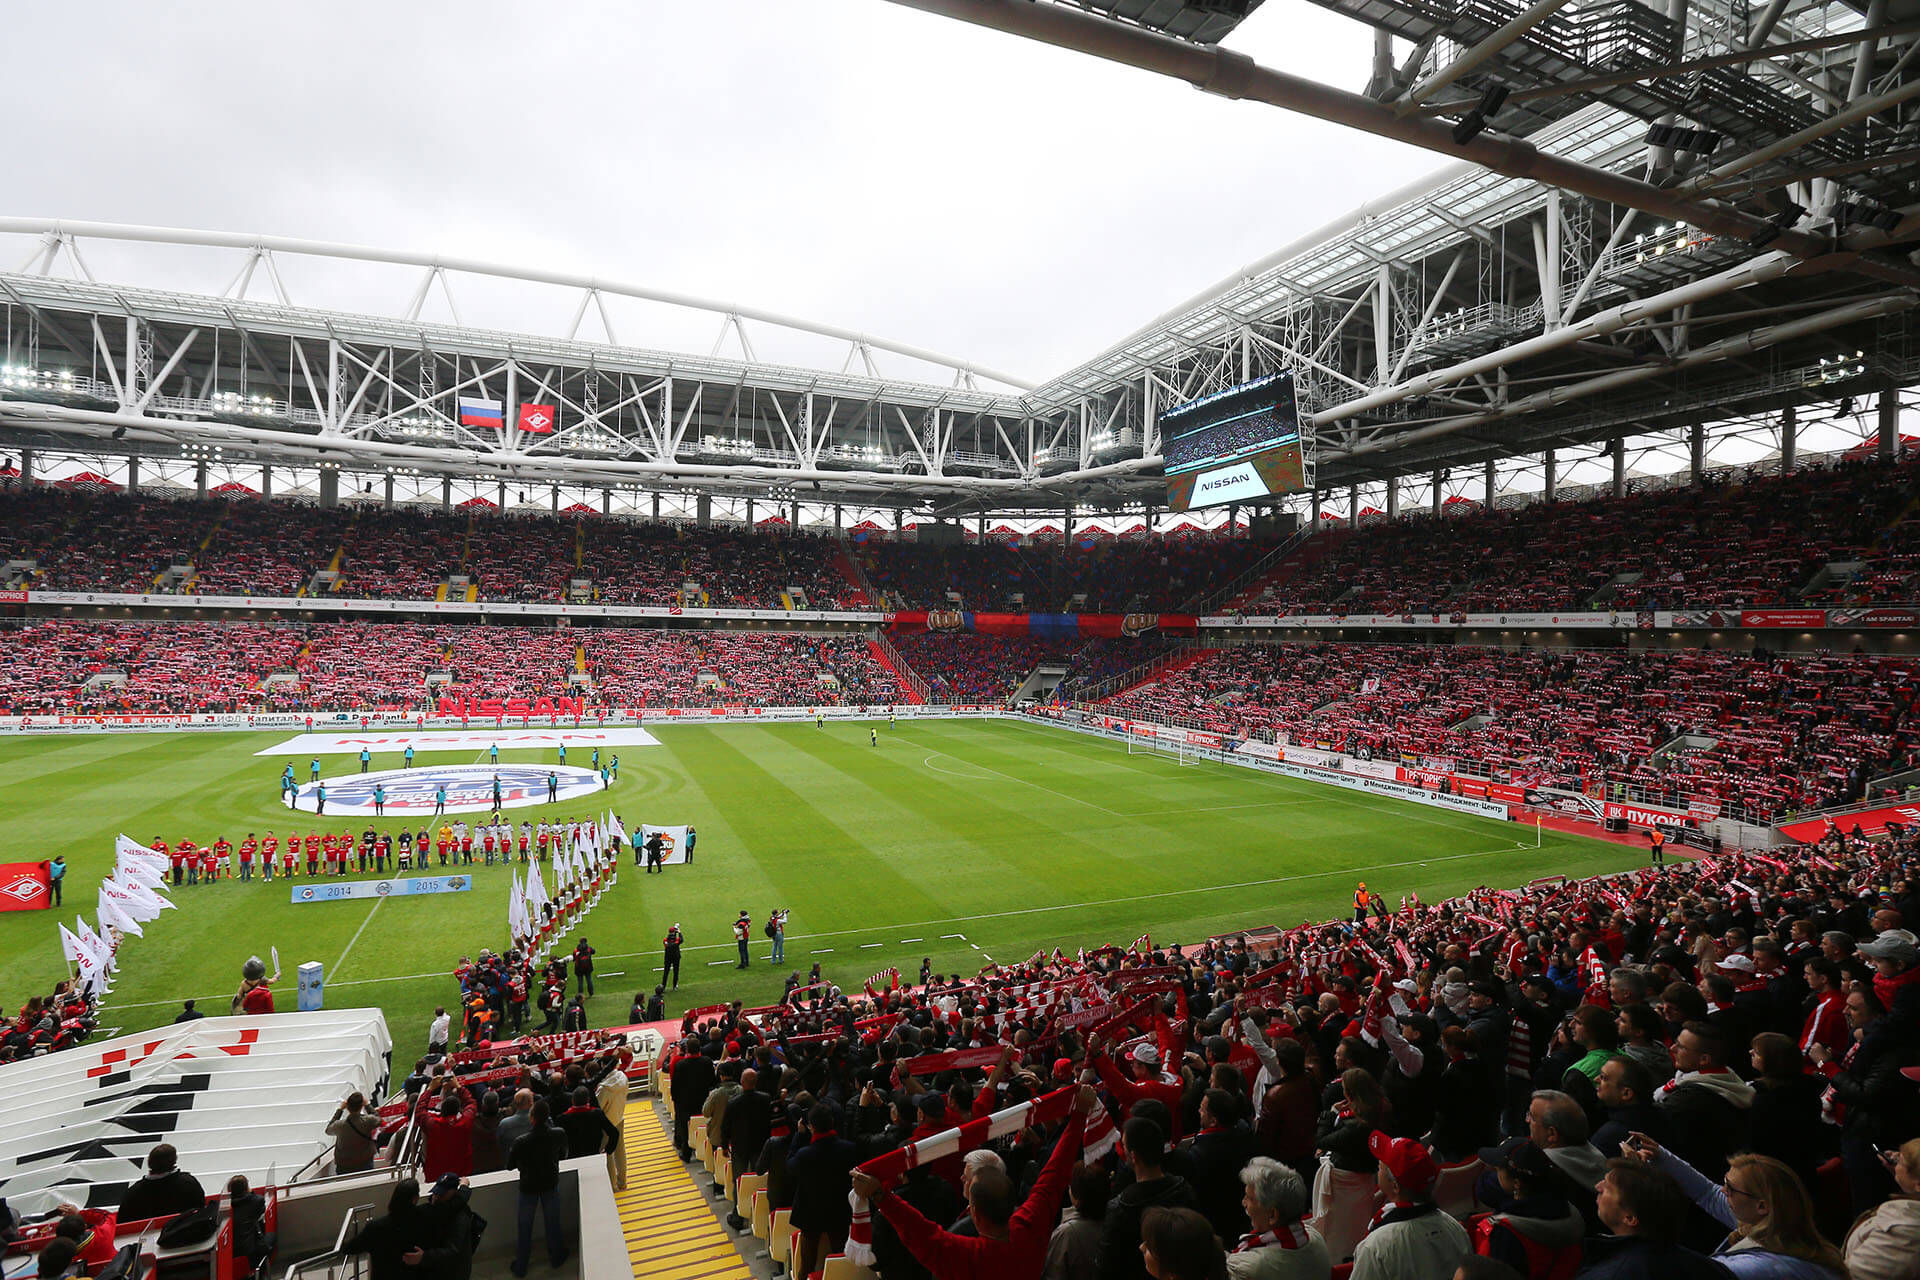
1013	835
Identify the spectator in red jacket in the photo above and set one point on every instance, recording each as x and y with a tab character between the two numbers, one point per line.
446	1115
1013	1235
1144	1079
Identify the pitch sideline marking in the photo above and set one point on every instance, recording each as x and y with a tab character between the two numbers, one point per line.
356	935
991	915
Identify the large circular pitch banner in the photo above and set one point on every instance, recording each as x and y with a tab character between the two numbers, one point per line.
469	788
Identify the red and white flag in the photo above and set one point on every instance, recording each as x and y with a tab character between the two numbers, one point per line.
1594	967
537	419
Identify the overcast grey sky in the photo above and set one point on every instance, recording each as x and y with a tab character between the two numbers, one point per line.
848	161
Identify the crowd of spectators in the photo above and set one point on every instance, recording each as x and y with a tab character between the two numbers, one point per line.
632	668
967	667
1755	544
110	542
1111	576
72	667
61	1018
1710	1069
1786	731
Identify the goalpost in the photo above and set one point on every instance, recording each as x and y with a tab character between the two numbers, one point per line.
1179	752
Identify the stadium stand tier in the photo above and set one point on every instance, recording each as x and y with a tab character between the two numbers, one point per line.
1551	1077
1776	732
1846	534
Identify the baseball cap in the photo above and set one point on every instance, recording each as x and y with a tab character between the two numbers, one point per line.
1895	944
446	1184
1738	963
1518	1155
1410	1163
1147	1054
1063	1069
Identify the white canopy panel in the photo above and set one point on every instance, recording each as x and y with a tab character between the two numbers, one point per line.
246	1095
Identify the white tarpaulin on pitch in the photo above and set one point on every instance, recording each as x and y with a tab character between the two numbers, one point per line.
234	1095
676	841
391	741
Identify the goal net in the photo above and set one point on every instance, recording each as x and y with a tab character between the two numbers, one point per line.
1179	752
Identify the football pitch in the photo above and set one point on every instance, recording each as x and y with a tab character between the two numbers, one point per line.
963	841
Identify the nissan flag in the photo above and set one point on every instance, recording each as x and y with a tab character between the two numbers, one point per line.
537	419
114	916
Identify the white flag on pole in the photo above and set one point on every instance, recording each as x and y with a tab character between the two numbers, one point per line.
93	973
70	944
129	847
134	871
93	942
142	896
536	888
113	916
125	902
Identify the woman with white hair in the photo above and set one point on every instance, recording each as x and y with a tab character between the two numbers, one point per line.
1280	1243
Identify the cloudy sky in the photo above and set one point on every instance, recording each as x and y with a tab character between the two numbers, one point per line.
846	161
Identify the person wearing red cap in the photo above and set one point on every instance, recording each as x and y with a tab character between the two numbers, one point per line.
1410	1236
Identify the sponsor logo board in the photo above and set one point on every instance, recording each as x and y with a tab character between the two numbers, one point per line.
347	890
351	744
469	789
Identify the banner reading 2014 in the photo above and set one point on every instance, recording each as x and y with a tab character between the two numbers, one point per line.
343	890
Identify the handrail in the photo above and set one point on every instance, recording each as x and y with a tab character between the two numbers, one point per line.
334	1256
1258	569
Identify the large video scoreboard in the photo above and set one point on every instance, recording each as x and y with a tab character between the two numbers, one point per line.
1237	445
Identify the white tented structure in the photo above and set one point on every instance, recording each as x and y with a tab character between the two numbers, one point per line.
248	1095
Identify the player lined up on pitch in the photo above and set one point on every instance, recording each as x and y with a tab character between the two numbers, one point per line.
453	844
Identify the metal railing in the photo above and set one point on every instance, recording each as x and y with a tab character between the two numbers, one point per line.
907	674
336	1263
1254	573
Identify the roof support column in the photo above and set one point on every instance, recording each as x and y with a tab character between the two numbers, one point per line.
1789	440
446	493
389	499
329	486
1619	451
1439	478
1696	452
266	481
1550	464
1889	423
1488	478
1393	497
133	473
1383	323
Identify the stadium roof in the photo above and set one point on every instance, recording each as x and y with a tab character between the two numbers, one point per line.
1665	224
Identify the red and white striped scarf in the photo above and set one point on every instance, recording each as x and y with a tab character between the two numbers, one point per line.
1291	1235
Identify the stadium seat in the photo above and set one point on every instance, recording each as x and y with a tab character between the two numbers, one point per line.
744	1189
761	1216
1453	1191
780	1235
841	1267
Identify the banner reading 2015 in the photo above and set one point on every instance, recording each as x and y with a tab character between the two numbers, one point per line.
343	890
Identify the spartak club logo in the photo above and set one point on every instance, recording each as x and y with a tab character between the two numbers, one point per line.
22	888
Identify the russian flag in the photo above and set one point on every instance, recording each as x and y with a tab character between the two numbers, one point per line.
482	413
